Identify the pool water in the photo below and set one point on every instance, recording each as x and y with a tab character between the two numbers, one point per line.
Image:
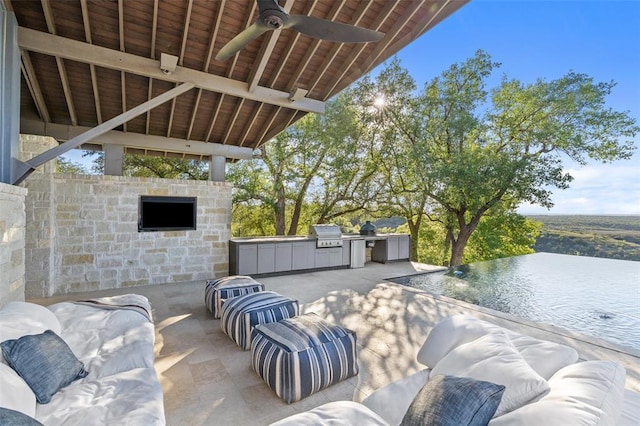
595	296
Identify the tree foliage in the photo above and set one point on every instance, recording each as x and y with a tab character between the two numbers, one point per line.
315	171
67	166
474	152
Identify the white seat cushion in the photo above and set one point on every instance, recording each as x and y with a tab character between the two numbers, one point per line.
586	393
544	357
493	358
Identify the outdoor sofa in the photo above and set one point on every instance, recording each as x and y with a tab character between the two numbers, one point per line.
82	363
538	382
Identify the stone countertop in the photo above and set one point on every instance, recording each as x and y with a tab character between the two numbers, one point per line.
294	238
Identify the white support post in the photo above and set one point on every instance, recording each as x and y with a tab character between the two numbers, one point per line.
113	160
217	168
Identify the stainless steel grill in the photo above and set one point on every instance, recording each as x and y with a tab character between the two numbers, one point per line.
326	235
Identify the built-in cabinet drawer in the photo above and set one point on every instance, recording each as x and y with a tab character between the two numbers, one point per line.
328	257
303	256
284	257
404	246
394	247
266	258
247	261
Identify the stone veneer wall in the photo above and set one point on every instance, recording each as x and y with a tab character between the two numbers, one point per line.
12	243
82	234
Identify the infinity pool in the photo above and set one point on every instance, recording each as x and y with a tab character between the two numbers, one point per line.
595	296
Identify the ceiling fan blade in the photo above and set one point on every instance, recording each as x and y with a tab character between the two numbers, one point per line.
330	30
241	40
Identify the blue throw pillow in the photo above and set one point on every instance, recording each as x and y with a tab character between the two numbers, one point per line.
16	418
44	361
454	401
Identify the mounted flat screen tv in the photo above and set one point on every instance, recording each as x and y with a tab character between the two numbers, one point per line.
157	213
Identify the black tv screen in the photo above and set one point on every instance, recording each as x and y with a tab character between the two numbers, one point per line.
166	213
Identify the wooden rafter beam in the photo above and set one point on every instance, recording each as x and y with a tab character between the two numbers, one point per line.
29	74
380	45
152	55
185	34
92	68
100	56
311	51
331	55
123	79
286	52
205	68
265	52
249	126
248	21
64	79
394	43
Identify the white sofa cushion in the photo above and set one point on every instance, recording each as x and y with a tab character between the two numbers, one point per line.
493	358
586	393
339	413
544	357
19	319
392	401
15	393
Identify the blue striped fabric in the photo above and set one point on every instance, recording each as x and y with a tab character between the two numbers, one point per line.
220	289
299	356
240	314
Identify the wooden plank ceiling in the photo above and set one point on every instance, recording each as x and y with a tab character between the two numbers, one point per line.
85	62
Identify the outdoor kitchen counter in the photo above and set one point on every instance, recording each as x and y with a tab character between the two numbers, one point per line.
292	254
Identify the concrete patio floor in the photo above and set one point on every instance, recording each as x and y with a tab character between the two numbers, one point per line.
208	380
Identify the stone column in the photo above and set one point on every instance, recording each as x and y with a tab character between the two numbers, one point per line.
12	236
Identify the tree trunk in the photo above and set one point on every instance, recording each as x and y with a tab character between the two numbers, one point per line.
414	230
279	212
460	243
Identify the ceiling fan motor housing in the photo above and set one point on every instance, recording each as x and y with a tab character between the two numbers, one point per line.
273	19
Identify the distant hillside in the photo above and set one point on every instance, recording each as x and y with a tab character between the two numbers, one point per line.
614	237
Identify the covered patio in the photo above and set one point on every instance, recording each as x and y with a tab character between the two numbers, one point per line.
141	77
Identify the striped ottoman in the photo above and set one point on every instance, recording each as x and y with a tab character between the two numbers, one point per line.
220	289
303	355
240	314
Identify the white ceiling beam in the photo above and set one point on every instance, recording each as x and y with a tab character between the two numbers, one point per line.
135	140
49	44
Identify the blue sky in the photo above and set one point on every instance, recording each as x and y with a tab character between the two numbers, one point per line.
546	39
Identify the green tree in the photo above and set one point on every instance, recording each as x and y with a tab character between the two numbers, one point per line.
316	170
67	166
477	152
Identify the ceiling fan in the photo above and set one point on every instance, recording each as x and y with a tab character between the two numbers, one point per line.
274	17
